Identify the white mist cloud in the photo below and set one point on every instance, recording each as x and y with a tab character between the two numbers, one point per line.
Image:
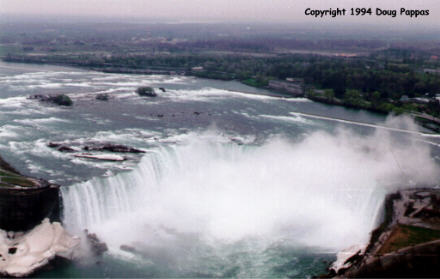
323	191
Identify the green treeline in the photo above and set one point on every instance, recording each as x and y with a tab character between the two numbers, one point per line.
377	81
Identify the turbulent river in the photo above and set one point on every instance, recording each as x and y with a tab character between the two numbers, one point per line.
232	184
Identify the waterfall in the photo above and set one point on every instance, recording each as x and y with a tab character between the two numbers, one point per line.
325	191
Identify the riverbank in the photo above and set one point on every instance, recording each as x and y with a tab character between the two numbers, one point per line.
355	102
427	121
28	238
406	244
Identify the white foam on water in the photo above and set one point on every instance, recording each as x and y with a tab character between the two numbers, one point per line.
79	84
24	106
41	122
46	85
11	131
174	80
12	102
38	169
293	119
104	165
298	100
121	136
204	95
37	148
133	84
403	124
98	120
213	94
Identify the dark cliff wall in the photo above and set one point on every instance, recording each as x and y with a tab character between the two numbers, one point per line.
23	209
25	201
419	261
406	244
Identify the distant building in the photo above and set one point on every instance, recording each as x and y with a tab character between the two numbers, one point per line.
319	92
294	87
197	69
404	99
420	100
432	71
295	80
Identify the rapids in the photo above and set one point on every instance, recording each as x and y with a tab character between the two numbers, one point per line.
232	184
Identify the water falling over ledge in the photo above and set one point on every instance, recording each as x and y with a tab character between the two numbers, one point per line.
209	194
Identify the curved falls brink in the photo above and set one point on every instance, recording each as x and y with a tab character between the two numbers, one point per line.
201	201
201	204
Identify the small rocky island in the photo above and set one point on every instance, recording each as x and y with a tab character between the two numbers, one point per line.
146	91
28	238
406	244
59	99
96	147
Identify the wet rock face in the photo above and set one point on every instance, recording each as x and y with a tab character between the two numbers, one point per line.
97	246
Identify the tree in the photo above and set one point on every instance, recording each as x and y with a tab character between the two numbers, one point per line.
353	97
329	94
375	98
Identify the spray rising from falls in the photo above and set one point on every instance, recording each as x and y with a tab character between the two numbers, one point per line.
323	191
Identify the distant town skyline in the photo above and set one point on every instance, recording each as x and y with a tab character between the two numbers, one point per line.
270	11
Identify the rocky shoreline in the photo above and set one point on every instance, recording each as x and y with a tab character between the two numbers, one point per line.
30	232
25	201
406	244
22	253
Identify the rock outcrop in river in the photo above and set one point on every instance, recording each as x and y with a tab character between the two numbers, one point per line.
94	146
146	91
60	99
406	244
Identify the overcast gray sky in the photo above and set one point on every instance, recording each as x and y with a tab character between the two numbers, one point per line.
221	10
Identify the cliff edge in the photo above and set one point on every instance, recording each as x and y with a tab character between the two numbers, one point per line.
25	201
28	240
406	244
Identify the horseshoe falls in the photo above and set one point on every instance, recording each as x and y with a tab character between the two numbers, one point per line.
201	199
231	184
